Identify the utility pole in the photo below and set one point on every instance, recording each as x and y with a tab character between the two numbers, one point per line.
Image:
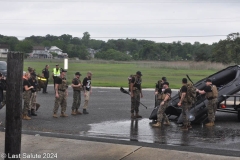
14	105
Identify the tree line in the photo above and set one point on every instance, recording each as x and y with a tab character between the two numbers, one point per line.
225	51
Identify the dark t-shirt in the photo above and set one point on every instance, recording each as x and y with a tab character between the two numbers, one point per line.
45	73
87	83
137	83
75	81
183	89
207	89
25	83
33	83
58	80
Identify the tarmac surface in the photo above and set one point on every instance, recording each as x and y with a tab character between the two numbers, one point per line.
108	126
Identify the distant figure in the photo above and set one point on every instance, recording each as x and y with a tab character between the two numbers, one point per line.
77	87
211	94
136	93
45	74
61	94
158	90
87	88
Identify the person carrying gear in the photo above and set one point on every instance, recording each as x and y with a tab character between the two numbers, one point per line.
158	90
26	95
56	73
136	93
77	88
211	94
185	104
165	97
61	94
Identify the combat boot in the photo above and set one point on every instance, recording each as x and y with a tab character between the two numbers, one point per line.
132	116
167	123
63	115
158	124
77	112
138	116
25	117
73	112
85	111
55	115
29	113
33	112
210	124
184	128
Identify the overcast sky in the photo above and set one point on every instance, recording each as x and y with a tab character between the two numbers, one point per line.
155	20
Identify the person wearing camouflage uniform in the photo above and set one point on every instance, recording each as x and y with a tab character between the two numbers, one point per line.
61	94
77	87
185	105
136	93
211	94
165	97
158	90
26	95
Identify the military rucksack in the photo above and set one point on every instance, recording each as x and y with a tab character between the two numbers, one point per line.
191	93
214	91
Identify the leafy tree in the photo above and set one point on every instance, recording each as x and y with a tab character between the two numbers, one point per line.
112	54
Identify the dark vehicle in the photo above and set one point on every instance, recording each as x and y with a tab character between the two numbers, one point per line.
228	84
3	68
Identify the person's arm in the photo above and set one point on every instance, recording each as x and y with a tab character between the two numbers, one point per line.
182	98
201	91
27	88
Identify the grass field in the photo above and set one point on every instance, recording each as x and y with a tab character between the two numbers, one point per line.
114	74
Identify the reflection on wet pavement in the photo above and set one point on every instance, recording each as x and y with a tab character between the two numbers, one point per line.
142	131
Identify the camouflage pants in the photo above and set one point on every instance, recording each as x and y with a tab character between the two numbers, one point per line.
86	99
76	100
212	107
185	108
61	100
135	101
33	101
26	98
161	112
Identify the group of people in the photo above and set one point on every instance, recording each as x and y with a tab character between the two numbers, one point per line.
163	96
31	84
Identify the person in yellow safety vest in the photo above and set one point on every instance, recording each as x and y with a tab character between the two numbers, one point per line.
56	73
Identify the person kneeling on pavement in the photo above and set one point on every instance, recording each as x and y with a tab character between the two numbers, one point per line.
165	97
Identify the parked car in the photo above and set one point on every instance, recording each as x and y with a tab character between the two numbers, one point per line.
3	68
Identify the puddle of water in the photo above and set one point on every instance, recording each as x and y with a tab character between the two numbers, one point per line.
142	131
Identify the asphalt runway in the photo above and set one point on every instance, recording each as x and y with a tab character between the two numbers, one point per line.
109	121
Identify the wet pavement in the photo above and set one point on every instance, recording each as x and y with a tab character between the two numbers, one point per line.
109	120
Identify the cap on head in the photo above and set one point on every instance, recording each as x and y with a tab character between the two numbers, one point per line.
57	64
63	70
78	73
166	83
184	80
208	80
139	73
164	79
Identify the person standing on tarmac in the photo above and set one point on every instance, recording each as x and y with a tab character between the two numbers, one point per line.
56	73
184	104
158	90
136	93
165	97
211	94
45	74
87	88
77	87
61	94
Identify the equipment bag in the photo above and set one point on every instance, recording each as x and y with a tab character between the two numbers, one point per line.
191	93
214	91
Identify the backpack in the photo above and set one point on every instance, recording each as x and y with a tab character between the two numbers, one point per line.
214	91
191	93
